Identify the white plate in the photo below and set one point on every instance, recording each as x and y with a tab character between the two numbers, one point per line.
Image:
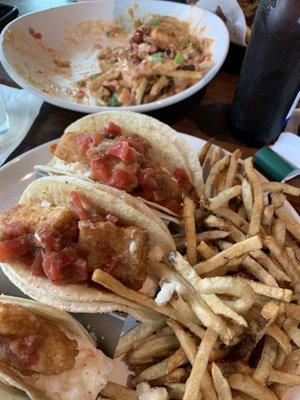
18	173
32	67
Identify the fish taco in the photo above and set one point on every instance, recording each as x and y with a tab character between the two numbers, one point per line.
45	354
64	228
130	152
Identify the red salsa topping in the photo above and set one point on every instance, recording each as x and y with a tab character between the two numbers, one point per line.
123	162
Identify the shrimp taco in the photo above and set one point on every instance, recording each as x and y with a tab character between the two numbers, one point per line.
64	228
131	152
47	355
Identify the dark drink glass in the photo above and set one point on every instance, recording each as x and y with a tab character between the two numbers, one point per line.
269	82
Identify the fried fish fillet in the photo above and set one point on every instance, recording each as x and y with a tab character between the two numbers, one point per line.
36	218
67	149
32	344
126	245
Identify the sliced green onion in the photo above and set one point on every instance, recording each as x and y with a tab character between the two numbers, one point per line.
155	21
114	101
193	46
179	58
156	58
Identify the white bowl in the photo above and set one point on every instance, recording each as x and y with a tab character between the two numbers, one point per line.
31	65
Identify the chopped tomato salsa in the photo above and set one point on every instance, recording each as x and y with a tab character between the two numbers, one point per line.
123	162
66	246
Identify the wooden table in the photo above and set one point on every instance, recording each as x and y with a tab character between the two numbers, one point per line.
204	115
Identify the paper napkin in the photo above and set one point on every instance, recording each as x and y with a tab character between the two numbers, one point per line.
20	110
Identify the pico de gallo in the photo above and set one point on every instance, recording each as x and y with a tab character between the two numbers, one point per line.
123	161
67	244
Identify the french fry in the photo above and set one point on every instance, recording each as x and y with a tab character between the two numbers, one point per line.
207	387
109	282
221	383
284	378
291	224
279	231
290	327
223	197
204	151
215	222
232	168
205	251
270	265
258	271
186	341
183	309
115	391
270	291
219	354
222	258
281	257
248	385
213	175
189	224
162	368
247	197
251	266
276	333
139	332
153	347
176	376
258	202
267	214
233	217
212	235
280	187
281	356
193	383
267	359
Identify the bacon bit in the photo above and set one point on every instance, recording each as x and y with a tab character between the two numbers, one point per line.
181	177
12	249
112	129
123	151
84	142
122	180
172	205
80	94
78	208
35	35
37	265
112	218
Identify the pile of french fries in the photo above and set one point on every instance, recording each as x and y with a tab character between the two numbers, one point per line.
230	329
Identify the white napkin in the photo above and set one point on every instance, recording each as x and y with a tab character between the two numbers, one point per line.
288	147
22	108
